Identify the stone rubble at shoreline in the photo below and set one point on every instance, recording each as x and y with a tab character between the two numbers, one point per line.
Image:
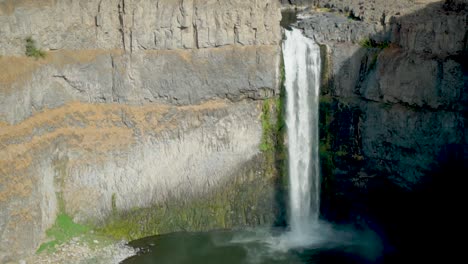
77	252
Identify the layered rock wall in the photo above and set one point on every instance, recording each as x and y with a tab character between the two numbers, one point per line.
407	79
178	77
372	11
136	103
135	25
393	109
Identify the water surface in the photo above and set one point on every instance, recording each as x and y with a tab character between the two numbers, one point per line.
255	247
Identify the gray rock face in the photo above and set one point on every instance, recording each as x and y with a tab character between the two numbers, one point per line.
296	2
410	95
432	30
394	146
135	25
326	27
441	35
178	77
389	76
455	5
439	83
373	11
405	144
136	100
175	52
190	78
85	156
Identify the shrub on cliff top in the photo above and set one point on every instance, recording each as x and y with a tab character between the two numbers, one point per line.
32	50
370	43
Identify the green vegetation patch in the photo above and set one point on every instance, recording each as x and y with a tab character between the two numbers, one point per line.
65	229
281	154
373	61
267	144
373	44
281	151
374	47
274	130
325	146
246	200
340	145
32	50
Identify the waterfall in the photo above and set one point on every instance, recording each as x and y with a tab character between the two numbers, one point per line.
302	68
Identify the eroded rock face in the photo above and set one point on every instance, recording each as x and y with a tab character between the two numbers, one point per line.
83	156
393	117
179	77
379	12
137	103
135	25
412	90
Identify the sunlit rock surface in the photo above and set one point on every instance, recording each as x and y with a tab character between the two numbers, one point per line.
136	103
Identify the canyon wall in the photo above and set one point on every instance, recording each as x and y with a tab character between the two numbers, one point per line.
148	114
137	104
394	99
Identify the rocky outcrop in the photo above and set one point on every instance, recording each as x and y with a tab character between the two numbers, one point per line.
372	11
137	104
408	81
393	115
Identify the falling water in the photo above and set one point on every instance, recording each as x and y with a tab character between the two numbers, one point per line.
302	66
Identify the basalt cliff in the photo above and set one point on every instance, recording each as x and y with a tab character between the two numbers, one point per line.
137	105
393	104
142	117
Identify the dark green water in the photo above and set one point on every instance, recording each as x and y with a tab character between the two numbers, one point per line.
256	247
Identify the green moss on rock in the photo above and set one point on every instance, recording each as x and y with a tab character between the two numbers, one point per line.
281	153
64	229
32	50
244	201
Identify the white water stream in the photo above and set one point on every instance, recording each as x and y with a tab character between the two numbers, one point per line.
302	68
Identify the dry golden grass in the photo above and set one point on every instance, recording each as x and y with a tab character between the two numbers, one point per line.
94	130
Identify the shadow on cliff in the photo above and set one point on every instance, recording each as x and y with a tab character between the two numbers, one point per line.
418	224
419	221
